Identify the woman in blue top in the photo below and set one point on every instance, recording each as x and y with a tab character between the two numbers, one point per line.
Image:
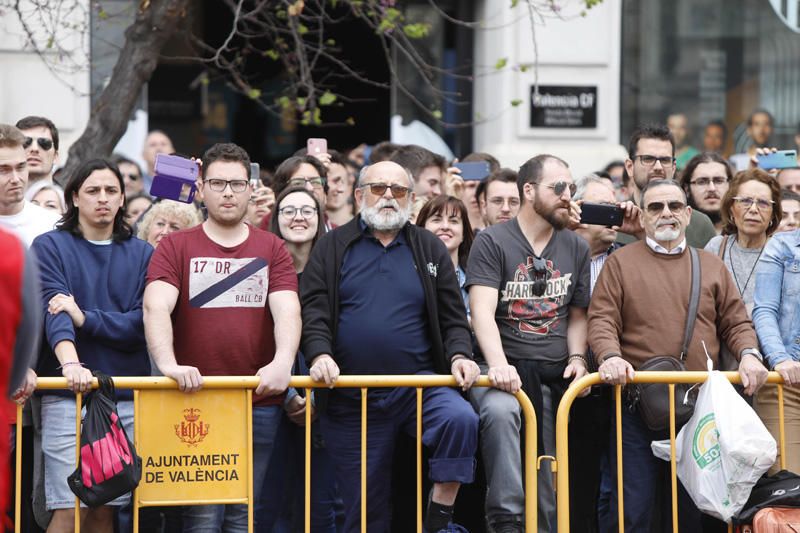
777	320
446	217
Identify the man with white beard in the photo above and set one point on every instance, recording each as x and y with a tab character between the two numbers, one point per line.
638	311
380	296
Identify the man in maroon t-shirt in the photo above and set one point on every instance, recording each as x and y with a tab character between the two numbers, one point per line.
221	299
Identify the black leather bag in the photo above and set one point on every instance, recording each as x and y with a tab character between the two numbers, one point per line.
652	399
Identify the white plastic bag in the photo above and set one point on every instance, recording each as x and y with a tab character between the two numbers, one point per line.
721	451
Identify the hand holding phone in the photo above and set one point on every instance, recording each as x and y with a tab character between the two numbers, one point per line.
473	170
601	214
317	146
779	159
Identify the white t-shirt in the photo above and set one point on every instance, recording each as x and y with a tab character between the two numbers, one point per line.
31	222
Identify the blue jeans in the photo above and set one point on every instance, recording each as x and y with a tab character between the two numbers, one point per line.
233	518
449	429
643	474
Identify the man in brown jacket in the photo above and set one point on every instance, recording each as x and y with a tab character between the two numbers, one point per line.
638	311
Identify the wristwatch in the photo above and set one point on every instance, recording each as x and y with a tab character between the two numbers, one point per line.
752	351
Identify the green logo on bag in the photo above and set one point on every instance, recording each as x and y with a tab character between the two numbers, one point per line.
705	445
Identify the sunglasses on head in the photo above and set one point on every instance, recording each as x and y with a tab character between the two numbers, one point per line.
43	142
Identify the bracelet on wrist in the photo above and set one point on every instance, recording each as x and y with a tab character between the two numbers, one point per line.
70	363
577	356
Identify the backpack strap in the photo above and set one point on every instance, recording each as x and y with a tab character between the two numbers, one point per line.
694	302
723	247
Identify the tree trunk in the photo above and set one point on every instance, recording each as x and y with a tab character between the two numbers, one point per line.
155	23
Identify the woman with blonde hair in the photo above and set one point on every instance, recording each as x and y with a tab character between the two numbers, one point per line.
164	217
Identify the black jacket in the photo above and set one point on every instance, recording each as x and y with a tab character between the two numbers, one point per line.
319	293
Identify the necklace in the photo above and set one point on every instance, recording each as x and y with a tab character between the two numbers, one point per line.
733	270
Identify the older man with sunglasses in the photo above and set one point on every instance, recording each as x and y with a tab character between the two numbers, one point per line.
380	296
639	311
529	289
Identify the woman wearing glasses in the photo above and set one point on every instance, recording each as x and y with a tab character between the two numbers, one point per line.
296	220
706	179
750	213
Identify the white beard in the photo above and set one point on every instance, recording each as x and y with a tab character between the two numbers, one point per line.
667	234
375	219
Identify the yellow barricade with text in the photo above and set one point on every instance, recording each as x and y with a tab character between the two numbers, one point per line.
197	448
671	378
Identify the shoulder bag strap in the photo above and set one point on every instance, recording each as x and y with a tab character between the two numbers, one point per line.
694	302
722	247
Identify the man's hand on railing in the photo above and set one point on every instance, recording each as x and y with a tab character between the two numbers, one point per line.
188	377
79	378
505	378
576	369
615	371
273	378
753	373
324	368
465	371
789	371
27	388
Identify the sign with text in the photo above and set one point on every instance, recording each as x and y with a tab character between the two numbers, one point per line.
193	446
556	106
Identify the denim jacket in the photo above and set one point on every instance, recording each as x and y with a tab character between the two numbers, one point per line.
777	314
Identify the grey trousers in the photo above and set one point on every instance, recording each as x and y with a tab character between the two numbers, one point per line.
500	421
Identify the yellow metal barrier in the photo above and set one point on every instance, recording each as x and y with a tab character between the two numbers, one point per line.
248	383
670	378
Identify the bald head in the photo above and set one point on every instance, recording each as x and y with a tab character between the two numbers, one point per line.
384	169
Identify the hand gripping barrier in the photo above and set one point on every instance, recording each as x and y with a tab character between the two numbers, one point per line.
245	385
671	378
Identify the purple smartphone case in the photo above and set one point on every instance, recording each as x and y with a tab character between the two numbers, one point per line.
175	178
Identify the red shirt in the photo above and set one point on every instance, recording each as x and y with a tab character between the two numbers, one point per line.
222	322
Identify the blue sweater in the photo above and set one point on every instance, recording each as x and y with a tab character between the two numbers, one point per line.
107	282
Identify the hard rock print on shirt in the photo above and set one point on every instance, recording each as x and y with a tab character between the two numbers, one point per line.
534	315
217	282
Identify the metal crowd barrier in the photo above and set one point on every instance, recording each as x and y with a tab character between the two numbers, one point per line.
246	384
670	378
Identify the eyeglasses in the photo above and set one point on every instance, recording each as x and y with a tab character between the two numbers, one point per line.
560	186
315	181
650	160
43	142
747	202
378	189
656	208
498	201
289	211
218	185
540	277
718	181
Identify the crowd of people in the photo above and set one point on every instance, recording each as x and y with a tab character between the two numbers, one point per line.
388	261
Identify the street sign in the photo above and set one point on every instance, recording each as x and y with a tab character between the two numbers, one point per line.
556	106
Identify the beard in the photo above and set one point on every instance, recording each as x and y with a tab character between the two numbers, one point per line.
715	216
558	221
377	219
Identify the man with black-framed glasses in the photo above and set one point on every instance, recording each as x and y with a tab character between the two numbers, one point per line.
221	299
652	156
380	296
41	150
528	281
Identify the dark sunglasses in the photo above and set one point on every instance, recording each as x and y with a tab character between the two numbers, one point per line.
378	189
560	186
43	142
540	276
656	208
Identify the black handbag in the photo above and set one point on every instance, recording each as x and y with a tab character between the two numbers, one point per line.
108	467
652	399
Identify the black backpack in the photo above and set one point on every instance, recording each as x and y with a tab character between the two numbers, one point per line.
779	490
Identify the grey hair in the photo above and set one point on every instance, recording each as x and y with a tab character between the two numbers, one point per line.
584	182
364	169
652	184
